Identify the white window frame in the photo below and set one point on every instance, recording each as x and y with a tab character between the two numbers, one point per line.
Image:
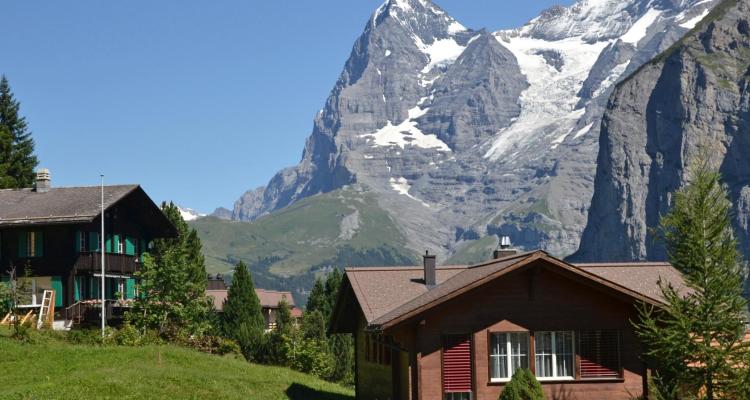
554	354
121	245
82	242
508	353
30	244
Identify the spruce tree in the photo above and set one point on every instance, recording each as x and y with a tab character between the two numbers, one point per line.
17	159
522	386
243	318
694	340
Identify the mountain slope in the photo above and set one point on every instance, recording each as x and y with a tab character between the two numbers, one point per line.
695	94
463	134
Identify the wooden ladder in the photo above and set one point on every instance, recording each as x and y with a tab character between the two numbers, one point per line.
44	311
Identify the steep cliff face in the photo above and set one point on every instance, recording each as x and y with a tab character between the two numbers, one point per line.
695	94
462	134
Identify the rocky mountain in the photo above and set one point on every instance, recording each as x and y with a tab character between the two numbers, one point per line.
461	134
697	94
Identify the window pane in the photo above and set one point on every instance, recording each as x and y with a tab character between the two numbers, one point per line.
519	347
564	353
498	356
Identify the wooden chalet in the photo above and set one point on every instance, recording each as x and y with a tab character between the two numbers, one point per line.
460	332
269	301
54	233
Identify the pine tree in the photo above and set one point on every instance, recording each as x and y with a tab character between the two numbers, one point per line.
173	280
243	318
17	159
522	386
694	340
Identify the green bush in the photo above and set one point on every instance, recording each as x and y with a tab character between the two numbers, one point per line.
523	386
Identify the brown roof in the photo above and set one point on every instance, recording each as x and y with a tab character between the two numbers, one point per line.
381	289
390	295
19	207
268	298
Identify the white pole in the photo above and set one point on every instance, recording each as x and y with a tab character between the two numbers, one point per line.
104	311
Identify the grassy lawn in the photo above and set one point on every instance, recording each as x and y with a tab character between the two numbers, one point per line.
52	369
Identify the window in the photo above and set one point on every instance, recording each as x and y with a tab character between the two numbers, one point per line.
458	396
508	352
119	245
554	354
600	354
30	244
81	242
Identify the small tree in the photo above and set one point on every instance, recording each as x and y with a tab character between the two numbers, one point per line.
243	317
694	340
522	386
16	292
17	159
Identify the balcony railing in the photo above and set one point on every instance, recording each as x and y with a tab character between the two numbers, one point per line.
115	263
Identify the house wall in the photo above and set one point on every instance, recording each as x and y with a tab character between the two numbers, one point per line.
520	302
375	381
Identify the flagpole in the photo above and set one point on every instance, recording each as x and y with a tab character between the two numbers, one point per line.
104	310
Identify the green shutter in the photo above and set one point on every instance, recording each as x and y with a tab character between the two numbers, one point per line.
38	244
94	284
116	247
77	289
78	241
108	244
93	241
57	286
130	288
23	249
129	246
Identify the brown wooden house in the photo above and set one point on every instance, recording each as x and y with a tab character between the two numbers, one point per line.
459	332
54	233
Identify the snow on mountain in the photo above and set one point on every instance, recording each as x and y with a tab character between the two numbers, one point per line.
463	133
188	214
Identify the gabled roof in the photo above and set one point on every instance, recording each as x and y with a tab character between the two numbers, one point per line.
390	296
268	298
58	205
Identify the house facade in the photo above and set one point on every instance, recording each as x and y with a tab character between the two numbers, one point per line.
459	332
52	238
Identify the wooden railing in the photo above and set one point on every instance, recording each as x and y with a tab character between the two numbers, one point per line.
115	263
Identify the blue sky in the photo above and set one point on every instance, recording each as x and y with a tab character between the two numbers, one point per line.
197	101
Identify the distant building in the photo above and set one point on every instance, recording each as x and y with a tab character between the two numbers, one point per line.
460	332
269	300
55	234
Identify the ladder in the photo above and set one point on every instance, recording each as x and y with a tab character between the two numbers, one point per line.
44	310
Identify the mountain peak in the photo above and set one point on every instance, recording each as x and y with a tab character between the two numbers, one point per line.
422	17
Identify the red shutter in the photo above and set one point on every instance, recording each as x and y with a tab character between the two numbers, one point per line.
600	354
457	364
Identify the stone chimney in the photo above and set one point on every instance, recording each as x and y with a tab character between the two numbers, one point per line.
43	181
504	250
430	278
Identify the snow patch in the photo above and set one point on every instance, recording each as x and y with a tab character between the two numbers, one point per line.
617	71
640	28
407	134
456	27
401	186
387	53
441	52
583	131
692	22
188	214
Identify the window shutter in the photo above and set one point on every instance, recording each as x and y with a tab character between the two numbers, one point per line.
93	244
77	289
130	288
39	244
457	364
78	241
129	246
116	248
57	286
108	244
23	244
600	354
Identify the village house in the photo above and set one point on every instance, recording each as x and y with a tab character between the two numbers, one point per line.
269	301
54	235
460	332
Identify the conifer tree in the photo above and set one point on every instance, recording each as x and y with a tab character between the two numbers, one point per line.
17	159
243	318
694	341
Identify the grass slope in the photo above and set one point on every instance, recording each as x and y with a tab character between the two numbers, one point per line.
52	369
287	248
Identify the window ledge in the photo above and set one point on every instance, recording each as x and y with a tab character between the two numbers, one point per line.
557	381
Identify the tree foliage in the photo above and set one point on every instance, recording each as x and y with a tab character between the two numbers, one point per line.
694	341
242	319
17	159
522	386
173	284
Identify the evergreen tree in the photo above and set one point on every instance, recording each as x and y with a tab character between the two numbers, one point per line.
243	318
522	386
17	159
173	280
694	340
284	322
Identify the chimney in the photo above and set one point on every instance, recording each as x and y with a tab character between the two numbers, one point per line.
43	182
430	279
505	249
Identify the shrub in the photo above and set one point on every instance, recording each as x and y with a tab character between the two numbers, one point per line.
523	386
214	345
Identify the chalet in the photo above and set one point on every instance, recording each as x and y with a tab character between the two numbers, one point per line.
460	332
269	301
54	234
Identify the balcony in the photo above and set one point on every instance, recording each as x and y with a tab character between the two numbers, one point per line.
115	263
